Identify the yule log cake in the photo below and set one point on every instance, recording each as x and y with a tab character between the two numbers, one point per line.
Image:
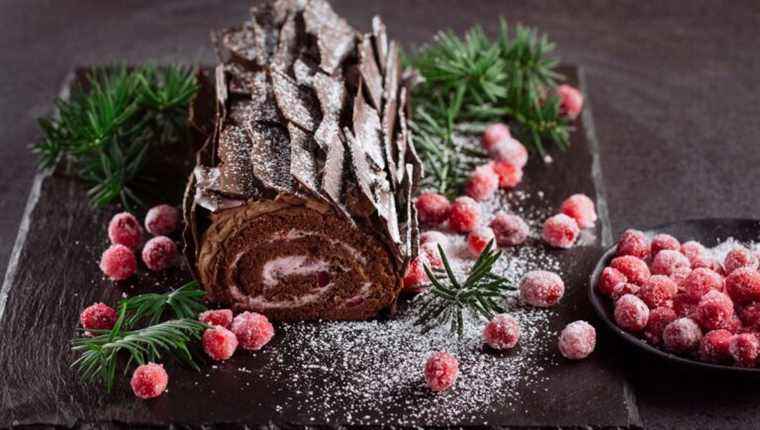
300	206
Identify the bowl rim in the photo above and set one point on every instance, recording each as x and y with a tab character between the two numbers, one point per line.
602	306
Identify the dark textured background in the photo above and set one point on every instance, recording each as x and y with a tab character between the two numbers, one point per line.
673	85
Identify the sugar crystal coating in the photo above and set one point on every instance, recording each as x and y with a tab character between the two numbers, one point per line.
509	229
609	279
430	249
750	316
415	276
478	239
502	332
701	280
432	208
541	288
664	241
635	269
684	304
441	371
743	285
667	262
714	347
483	183
220	317
162	220
571	100
510	151
159	253
560	231
581	208
739	257
631	313
149	380
714	310
494	134
659	318
657	290
465	215
682	335
624	288
219	343
509	175
252	330
744	349
118	262
633	242
98	316
577	340
124	229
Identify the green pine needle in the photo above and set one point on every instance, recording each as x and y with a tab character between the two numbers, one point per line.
446	298
471	81
184	302
108	124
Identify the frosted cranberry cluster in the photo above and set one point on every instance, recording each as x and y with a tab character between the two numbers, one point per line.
681	298
119	262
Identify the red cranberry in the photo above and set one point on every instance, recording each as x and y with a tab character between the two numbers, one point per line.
162	220
441	371
483	183
560	231
571	100
219	343
149	380
631	313
700	281
581	208
118	263
252	330
635	269
577	340
541	288
98	316
682	335
664	241
714	347
432	208
509	229
738	258
510	151
159	253
494	134
633	242
502	332
714	310
667	262
509	175
657	290
659	318
124	229
744	349
609	279
478	239
743	285
465	215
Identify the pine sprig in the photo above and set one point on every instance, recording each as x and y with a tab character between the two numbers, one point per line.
447	298
100	354
475	80
184	302
108	124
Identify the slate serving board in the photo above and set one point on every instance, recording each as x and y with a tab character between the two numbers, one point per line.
53	274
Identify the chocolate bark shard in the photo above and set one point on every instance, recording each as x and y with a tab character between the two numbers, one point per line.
206	181
239	42
264	106
390	107
370	72
335	37
304	71
298	105
401	137
360	167
270	156
381	42
331	92
303	163
235	173
367	130
287	45
333	171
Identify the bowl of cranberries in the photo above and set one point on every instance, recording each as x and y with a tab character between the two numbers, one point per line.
688	292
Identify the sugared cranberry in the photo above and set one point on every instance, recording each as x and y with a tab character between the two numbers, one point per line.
541	288
633	242
702	280
624	288
560	231
502	332
682	335
162	220
98	316
657	290
494	134
577	340
735	325
478	239
253	330
124	229
631	313
743	285
714	347
430	250
509	229
432	208
744	349
118	262
659	318
635	269
679	276
509	175
159	253
609	279
664	241
693	250
465	215
415	276
667	261
219	343
750	316
571	100
581	208
483	183
433	236
149	380
511	152
714	310
737	258
684	304
220	317
441	371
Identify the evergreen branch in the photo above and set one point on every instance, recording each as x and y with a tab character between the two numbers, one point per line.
447	298
184	302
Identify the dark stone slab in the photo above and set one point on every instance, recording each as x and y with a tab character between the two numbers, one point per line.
53	275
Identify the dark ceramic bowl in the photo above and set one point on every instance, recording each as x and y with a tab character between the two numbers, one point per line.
709	232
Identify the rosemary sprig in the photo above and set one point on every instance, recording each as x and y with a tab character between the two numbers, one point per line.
447	298
474	80
110	121
184	302
100	354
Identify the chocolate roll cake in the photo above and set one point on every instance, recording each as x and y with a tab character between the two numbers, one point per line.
300	206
